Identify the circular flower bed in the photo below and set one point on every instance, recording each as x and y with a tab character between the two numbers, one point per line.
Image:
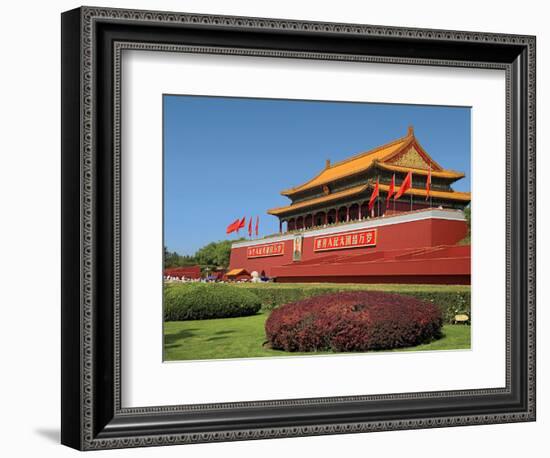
353	321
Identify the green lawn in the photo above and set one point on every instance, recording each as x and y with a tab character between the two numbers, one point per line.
392	287
244	337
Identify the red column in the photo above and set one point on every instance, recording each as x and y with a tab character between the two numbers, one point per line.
280	226
359	211
347	214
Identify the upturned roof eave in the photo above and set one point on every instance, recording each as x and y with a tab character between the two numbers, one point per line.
464	197
319	201
407	140
445	174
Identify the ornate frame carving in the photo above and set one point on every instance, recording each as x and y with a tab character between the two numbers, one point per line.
93	39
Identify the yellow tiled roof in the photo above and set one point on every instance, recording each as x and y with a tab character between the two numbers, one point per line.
377	156
319	200
451	195
435	173
354	164
234	272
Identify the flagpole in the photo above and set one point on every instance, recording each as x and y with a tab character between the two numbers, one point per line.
411	193
378	195
430	184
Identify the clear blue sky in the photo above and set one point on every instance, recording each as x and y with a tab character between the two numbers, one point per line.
226	158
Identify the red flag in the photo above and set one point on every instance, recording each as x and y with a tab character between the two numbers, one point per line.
405	185
429	182
232	227
391	191
241	223
250	227
374	195
257	225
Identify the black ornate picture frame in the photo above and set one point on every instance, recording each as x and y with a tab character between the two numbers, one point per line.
92	42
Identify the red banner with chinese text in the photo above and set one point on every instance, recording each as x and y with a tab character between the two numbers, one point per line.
262	251
345	240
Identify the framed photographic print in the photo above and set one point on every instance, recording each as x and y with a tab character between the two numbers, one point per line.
276	228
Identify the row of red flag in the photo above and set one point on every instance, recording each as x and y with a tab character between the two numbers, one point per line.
239	223
406	184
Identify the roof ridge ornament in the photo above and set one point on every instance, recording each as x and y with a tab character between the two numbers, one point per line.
410	131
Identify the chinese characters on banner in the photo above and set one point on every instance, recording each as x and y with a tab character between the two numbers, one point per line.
261	251
345	240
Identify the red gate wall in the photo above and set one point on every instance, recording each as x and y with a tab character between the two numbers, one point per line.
419	232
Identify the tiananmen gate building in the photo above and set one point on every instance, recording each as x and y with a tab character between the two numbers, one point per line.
327	233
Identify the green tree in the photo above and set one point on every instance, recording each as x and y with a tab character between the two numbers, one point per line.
468	214
173	259
215	254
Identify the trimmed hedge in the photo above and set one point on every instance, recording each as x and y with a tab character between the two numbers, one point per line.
451	302
353	321
199	301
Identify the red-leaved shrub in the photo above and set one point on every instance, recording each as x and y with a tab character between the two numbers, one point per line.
353	321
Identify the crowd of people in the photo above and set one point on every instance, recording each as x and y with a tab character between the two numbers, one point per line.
253	278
